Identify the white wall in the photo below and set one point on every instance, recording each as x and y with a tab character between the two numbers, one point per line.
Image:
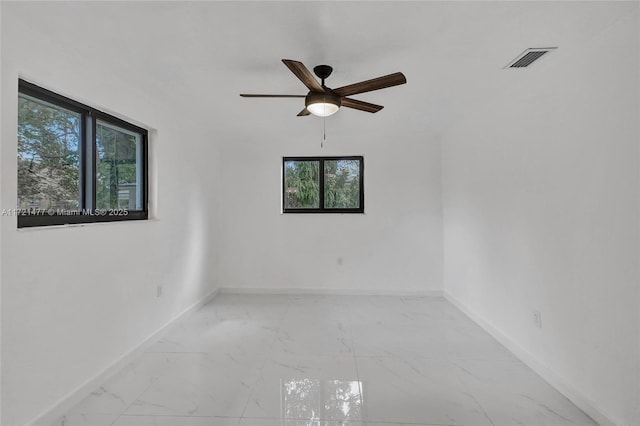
1	182
395	247
541	212
76	299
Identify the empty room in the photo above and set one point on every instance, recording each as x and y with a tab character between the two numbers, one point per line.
367	213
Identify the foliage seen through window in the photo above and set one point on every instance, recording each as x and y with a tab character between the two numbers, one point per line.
340	190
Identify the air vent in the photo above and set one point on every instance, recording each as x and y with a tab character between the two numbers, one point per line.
529	56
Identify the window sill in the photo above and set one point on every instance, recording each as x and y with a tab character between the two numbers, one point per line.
322	213
84	225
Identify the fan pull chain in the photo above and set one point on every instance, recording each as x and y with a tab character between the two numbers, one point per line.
324	133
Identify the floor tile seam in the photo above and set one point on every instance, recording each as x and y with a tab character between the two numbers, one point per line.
469	391
176	415
355	422
154	381
441	358
513	361
117	418
181	352
239	419
258	376
182	415
458	371
464	388
355	361
121	413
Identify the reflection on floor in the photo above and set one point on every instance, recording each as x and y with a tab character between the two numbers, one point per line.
248	360
320	399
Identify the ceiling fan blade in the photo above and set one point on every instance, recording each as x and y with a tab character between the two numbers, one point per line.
249	95
304	75
304	112
373	84
361	105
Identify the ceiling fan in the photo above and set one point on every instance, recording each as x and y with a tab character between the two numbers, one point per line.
324	101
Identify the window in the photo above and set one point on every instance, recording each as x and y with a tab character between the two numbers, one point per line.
77	164
339	189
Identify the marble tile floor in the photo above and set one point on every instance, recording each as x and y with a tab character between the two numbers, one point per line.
257	360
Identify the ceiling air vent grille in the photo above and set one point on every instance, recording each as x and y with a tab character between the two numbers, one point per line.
529	56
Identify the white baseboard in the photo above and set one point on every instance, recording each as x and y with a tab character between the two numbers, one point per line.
74	397
553	378
332	292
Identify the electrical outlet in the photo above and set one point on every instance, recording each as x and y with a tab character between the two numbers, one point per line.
159	291
537	318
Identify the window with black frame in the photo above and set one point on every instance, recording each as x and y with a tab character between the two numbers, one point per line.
323	184
77	164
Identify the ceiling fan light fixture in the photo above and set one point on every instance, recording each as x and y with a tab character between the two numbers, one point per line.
322	104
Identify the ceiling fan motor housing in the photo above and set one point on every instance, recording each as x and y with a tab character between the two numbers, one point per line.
325	98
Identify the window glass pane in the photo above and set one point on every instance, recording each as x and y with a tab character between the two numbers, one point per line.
342	184
301	184
48	155
119	168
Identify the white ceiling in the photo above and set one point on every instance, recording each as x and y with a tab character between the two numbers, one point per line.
198	56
